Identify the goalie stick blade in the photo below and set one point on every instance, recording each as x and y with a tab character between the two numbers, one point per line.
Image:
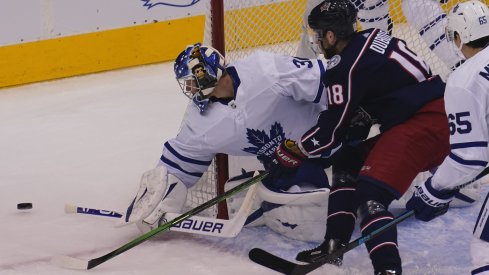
70	262
73	209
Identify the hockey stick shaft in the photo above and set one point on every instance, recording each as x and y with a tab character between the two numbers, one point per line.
80	264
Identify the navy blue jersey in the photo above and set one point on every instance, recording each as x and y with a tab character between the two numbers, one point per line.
377	73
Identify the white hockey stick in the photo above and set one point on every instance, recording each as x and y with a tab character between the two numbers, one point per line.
195	224
72	209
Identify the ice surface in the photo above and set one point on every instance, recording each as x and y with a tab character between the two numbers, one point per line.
86	141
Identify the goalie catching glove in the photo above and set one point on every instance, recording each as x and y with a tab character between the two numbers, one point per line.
159	193
429	203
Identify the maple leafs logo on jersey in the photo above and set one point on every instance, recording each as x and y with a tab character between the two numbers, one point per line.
178	4
264	144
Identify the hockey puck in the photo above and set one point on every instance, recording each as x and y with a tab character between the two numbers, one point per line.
24	206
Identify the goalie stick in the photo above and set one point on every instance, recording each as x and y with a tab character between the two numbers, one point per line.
284	266
195	224
75	263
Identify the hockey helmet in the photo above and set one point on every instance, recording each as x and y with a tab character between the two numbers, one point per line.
197	69
468	19
338	16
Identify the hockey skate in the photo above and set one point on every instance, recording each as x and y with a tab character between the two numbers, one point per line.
315	254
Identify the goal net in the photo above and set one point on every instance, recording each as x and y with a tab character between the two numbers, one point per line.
238	27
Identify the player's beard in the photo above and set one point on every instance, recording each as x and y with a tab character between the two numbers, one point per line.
328	51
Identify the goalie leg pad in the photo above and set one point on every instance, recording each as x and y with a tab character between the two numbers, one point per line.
303	223
297	214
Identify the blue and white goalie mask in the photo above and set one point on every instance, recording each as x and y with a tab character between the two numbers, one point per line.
197	69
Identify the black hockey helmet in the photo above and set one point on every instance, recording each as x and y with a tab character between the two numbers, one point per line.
338	16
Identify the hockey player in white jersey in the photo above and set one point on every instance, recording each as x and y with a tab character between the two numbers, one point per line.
242	109
467	107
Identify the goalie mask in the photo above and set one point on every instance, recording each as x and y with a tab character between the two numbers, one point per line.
470	20
197	69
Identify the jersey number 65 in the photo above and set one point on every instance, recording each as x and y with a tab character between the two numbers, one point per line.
459	122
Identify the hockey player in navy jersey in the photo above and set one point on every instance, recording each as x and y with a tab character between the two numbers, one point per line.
377	73
467	106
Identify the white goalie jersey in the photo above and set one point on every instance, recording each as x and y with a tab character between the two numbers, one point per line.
276	97
467	107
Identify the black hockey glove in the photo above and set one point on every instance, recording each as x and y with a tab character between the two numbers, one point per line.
359	126
286	161
429	203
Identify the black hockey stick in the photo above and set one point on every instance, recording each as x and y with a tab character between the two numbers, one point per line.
284	266
75	263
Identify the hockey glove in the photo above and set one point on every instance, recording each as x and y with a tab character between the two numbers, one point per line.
286	161
359	126
429	203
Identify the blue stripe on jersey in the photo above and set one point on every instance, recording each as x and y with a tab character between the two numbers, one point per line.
469	144
176	166
467	162
235	77
321	85
428	26
182	158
